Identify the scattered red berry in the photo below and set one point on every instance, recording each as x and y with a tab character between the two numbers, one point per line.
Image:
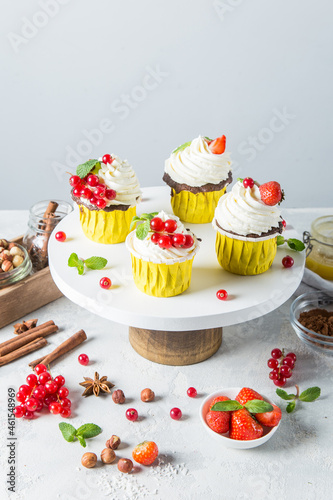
132	414
222	294
156	224
60	236
107	159
248	182
92	180
218	145
192	392
83	359
287	261
170	225
40	369
243	426
145	453
105	283
74	180
284	223
270	418
271	193
175	413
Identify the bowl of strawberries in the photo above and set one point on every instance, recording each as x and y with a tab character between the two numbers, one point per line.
240	418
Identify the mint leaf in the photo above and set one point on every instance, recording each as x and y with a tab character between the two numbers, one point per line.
258	406
208	139
134	221
183	146
310	394
142	230
82	441
227	406
284	395
295	244
73	260
68	431
80	269
88	431
96	262
280	240
291	407
84	169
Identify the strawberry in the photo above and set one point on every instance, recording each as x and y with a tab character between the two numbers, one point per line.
217	400
145	453
246	394
271	193
218	421
270	418
218	145
243	426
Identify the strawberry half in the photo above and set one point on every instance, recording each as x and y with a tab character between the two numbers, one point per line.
271	193
244	427
246	394
270	418
218	145
145	453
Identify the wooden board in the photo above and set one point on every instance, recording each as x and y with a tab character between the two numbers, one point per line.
29	294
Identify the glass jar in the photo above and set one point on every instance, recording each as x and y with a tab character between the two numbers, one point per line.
18	273
43	218
319	256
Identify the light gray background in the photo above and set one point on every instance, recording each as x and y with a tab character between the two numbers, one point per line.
232	67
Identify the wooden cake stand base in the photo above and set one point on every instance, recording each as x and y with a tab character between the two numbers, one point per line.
175	348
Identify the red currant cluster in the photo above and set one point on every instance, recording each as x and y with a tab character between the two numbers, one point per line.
41	390
164	234
282	366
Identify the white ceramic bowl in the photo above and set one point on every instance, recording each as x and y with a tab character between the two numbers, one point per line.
224	440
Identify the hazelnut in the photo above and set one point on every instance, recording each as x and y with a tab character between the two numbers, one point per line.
5	255
3	243
16	251
147	395
125	465
17	260
113	442
7	266
118	397
108	456
11	245
89	460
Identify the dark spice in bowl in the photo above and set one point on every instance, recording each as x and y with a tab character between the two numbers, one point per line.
318	320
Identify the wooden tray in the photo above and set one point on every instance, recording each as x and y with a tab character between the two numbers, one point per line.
29	294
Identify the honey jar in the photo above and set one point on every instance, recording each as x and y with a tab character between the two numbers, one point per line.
319	255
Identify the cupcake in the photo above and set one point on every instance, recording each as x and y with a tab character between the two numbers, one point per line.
247	221
198	173
162	253
107	192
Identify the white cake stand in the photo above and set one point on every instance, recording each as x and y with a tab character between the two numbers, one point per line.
179	330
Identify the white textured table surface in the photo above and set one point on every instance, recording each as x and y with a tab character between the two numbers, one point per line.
295	463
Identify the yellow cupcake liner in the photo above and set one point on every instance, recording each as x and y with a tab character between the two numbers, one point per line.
106	227
245	257
198	208
161	280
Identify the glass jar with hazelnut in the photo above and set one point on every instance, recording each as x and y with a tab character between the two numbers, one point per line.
15	263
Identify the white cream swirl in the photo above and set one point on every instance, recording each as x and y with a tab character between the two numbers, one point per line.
120	176
196	165
149	251
243	212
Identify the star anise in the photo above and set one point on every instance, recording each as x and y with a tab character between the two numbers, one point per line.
24	326
96	385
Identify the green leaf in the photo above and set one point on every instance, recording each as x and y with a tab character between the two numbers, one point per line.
239	179
310	394
88	431
283	394
80	269
227	406
183	146
258	406
73	260
295	244
84	169
68	431
142	230
134	221
82	441
291	407
96	262
208	139
280	240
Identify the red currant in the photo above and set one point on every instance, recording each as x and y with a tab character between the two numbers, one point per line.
192	392
286	371
110	194
291	355
83	359
100	203
60	236
40	369
280	381
272	363
100	191
74	180
19	411
50	398
178	240
31	380
105	283
284	223
188	241
222	294
92	180
274	374
156	224
31	404
44	377
25	390
65	412
51	387
55	408
39	405
77	191
93	200
248	182
132	414
288	362
175	413
107	159
20	397
66	403
170	225
276	353
86	193
164	241
59	380
287	261
154	238
29	414
63	392
39	392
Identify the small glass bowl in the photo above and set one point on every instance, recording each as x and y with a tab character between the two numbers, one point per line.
18	273
306	302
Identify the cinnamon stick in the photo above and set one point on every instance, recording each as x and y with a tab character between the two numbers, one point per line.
27	349
21	341
49	219
63	348
28	332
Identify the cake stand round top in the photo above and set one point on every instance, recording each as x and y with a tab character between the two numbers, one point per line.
197	308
